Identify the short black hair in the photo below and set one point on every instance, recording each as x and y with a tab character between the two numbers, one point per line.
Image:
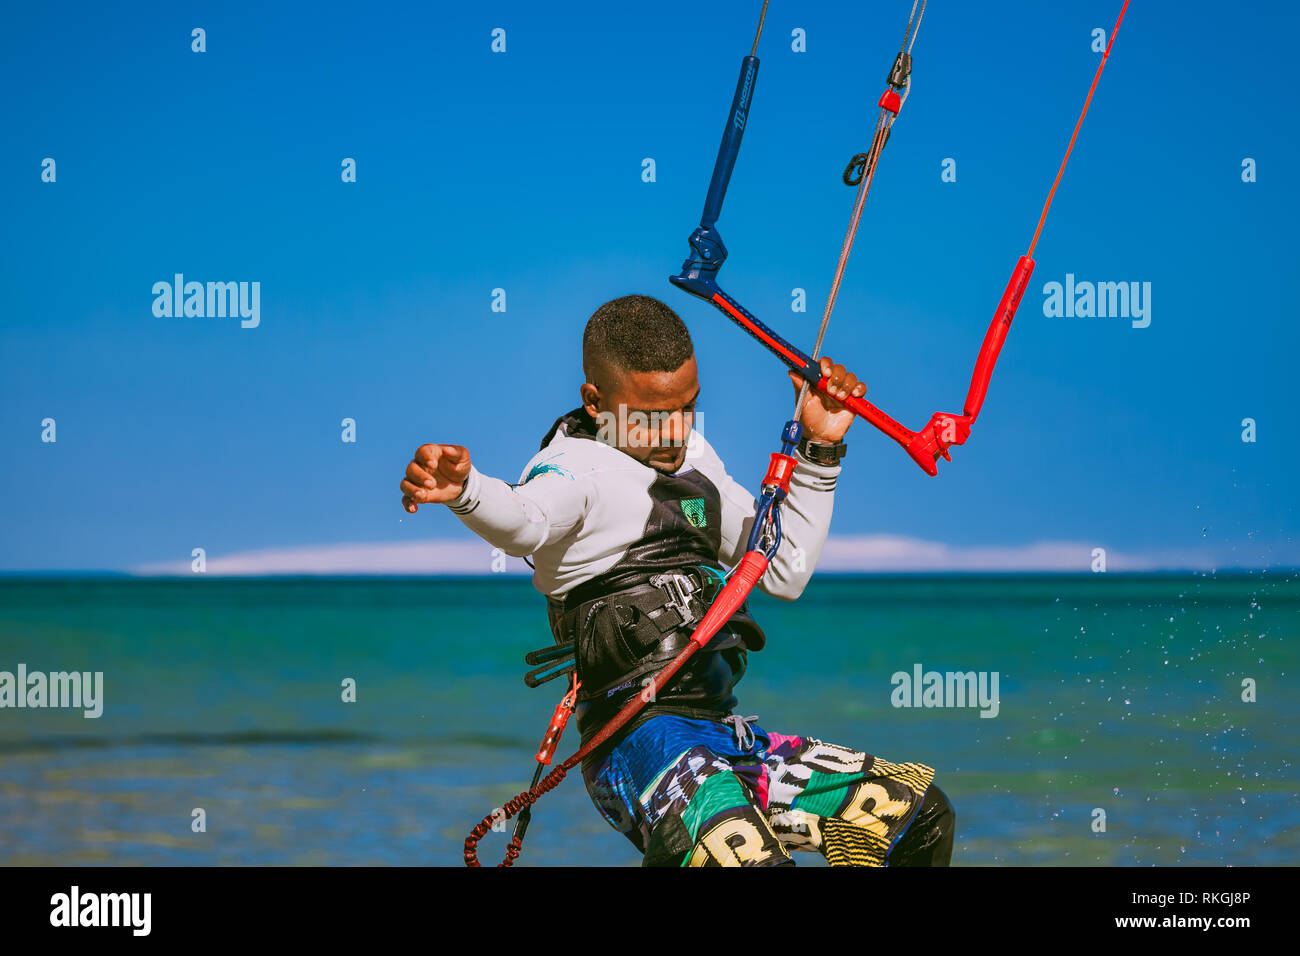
634	333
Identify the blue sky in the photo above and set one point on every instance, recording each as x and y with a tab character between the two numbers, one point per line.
522	171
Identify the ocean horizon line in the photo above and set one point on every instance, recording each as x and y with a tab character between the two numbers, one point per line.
302	576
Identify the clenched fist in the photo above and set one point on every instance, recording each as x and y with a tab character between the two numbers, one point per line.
435	475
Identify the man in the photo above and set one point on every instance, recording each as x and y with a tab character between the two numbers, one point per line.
630	518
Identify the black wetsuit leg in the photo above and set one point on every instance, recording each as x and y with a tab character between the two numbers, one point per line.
928	841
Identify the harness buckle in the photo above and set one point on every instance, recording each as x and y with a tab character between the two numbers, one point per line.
679	589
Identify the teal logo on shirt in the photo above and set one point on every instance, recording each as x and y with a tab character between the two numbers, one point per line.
546	468
693	509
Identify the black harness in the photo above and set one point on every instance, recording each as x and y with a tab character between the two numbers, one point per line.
614	637
629	621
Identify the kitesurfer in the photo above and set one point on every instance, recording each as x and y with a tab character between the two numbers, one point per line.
631	520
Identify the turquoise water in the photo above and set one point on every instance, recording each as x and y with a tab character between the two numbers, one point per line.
1118	692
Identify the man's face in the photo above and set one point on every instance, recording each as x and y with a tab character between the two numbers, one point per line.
648	415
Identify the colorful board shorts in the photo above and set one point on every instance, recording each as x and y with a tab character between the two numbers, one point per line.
705	793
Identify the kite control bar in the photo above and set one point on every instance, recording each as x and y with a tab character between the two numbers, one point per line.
700	270
943	430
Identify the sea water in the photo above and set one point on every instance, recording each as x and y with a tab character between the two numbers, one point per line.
1140	719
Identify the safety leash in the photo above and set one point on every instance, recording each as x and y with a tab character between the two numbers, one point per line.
861	170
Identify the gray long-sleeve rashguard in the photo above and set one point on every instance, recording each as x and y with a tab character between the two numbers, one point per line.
582	508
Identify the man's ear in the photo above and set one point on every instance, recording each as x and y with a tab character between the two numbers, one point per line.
590	396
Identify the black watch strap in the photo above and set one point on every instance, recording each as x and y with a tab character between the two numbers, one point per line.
821	453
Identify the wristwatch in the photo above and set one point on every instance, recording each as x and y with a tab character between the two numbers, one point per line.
821	453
